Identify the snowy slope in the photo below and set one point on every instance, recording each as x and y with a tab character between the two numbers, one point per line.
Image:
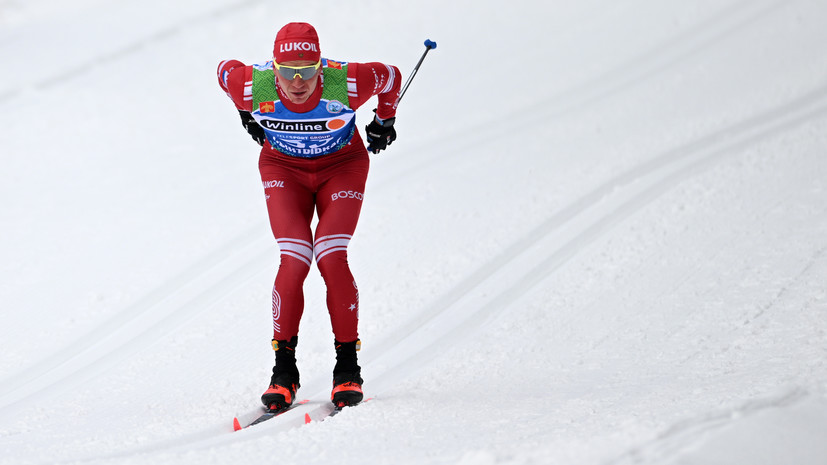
601	236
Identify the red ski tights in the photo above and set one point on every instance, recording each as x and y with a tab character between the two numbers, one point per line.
332	186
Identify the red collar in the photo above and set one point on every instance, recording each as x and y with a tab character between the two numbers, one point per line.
308	105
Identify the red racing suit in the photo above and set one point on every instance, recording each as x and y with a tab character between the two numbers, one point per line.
330	185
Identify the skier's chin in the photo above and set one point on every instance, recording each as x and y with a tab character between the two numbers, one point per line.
298	97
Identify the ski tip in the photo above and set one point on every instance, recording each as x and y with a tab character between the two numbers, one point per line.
307	418
236	424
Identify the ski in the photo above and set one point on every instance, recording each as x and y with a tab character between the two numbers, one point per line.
267	415
336	410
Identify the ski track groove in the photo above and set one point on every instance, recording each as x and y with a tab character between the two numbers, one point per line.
565	234
637	69
663	56
157	37
141	324
686	432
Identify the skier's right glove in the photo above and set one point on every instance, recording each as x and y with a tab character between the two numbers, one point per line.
253	129
380	134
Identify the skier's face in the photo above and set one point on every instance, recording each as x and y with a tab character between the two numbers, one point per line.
298	90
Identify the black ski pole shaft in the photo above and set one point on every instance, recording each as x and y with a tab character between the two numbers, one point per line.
429	44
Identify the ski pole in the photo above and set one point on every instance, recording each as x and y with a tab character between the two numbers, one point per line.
429	44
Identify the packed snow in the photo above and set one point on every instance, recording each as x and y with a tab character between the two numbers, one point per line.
600	238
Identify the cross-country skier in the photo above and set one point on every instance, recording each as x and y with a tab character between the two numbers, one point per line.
300	108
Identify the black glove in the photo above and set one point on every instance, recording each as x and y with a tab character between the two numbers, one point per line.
253	129
380	135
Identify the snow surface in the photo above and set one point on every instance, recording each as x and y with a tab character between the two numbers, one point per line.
601	237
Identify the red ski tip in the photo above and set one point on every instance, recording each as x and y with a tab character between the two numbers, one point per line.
236	424
307	418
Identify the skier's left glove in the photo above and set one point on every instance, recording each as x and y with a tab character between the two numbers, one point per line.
253	129
380	133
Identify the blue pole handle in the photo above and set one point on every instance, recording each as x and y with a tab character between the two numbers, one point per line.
430	43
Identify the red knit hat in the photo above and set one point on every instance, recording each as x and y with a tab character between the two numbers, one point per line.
296	41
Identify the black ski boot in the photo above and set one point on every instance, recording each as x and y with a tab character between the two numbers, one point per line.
347	379
285	380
